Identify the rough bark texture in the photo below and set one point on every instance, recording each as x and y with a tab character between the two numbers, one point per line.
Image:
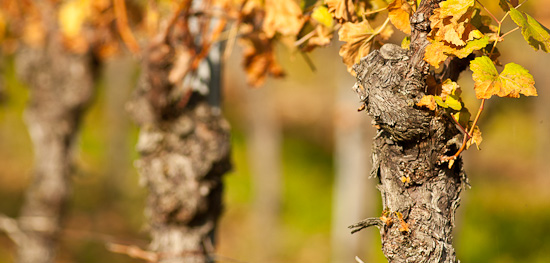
61	86
184	147
407	148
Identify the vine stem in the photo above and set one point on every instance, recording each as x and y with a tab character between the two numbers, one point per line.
469	134
503	35
123	28
375	11
489	12
377	32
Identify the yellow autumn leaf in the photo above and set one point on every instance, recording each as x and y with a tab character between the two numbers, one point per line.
455	9
399	13
342	10
72	15
356	46
427	101
511	82
438	51
476	138
283	16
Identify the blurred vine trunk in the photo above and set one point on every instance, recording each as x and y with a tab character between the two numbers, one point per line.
61	86
264	156
184	144
420	194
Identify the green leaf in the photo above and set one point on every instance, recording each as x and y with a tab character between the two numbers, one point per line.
440	102
322	15
534	33
406	42
454	102
475	44
516	79
463	117
511	82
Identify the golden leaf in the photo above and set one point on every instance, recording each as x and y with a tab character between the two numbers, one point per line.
399	13
342	10
356	46
511	82
283	16
71	17
34	33
427	101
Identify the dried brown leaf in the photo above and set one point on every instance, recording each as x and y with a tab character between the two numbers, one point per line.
283	16
342	10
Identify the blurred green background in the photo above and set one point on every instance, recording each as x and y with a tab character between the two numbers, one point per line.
504	217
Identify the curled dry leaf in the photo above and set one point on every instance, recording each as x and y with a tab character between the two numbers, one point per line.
355	35
476	138
259	59
283	16
342	10
427	101
399	13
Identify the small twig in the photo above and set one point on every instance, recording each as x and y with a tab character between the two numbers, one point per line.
11	228
371	221
305	38
376	33
123	28
489	12
308	61
232	37
358	260
312	33
503	35
462	129
133	251
374	11
466	138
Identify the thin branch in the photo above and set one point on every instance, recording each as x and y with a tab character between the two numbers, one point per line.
305	38
377	32
371	221
489	12
11	228
133	251
123	27
374	11
503	35
466	138
308	61
232	37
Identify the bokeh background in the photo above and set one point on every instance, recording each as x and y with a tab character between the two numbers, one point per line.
301	155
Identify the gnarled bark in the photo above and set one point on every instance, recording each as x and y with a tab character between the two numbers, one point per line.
61	86
419	193
184	147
